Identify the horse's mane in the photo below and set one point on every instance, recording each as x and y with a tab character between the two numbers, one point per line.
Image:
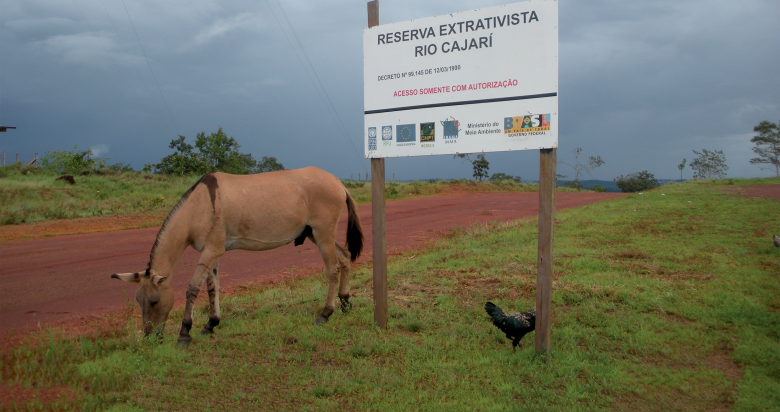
161	233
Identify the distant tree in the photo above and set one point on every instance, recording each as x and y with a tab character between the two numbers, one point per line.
636	182
221	153
598	188
681	166
214	152
709	164
183	161
480	165
269	164
497	177
592	163
767	145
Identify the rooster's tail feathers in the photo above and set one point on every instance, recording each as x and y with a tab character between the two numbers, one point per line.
494	311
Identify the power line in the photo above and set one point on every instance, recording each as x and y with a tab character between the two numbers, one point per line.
329	104
105	49
135	66
150	69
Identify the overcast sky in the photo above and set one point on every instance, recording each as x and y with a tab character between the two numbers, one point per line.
641	83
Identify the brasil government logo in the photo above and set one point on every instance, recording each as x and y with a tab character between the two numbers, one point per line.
526	124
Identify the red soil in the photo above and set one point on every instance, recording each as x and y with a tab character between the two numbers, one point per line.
765	191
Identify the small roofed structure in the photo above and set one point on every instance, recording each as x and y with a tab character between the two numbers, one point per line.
4	128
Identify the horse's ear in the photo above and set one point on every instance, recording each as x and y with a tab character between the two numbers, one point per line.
156	279
128	277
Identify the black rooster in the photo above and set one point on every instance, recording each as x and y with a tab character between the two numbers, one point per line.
514	325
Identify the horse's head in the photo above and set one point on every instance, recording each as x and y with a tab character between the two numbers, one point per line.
155	297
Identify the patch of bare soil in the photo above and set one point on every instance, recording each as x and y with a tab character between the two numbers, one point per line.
19	395
763	191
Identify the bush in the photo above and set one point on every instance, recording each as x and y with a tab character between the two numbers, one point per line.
598	188
120	167
391	190
352	185
71	161
499	177
636	182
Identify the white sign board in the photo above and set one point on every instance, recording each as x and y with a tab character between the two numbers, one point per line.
477	81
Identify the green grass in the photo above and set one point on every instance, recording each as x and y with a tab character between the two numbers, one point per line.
663	301
30	195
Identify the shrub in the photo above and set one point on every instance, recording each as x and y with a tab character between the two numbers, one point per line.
499	177
71	161
636	182
352	185
391	190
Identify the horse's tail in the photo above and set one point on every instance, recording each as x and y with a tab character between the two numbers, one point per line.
354	231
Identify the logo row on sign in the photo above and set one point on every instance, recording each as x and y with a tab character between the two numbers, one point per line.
408	134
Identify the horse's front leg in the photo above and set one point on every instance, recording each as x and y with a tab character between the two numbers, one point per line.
212	283
206	264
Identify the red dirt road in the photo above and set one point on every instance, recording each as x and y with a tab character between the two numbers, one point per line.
63	279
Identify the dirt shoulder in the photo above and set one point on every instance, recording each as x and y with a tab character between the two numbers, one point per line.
63	227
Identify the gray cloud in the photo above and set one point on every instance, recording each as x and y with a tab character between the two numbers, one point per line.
641	83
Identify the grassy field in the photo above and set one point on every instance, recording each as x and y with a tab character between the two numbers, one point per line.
664	301
29	195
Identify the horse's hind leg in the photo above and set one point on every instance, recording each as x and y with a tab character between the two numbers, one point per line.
212	283
344	266
328	252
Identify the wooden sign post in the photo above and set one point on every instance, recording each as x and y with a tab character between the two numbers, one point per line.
544	258
379	233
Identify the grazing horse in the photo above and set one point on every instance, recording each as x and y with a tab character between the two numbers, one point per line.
222	212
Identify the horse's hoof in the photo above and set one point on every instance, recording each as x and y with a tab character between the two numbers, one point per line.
184	341
320	321
346	306
204	332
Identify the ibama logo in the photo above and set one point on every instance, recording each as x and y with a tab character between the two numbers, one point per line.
450	127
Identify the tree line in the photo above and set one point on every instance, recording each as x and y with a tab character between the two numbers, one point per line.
215	152
219	152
